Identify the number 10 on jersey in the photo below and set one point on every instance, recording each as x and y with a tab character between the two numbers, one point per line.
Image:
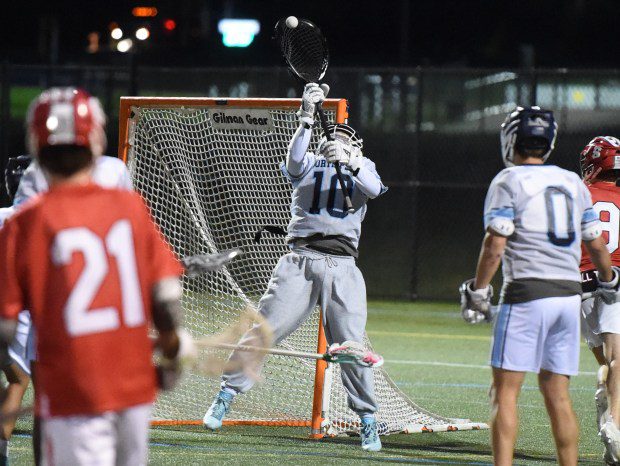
331	197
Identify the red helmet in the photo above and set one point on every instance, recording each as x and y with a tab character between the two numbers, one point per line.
601	152
65	115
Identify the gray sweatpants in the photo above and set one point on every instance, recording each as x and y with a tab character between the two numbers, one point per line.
302	279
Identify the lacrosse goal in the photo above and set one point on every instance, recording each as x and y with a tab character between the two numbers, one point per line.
209	169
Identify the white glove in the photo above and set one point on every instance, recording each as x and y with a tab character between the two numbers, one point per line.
475	304
313	95
338	151
608	291
333	151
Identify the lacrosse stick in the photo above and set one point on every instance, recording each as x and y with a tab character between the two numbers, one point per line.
346	353
204	263
305	51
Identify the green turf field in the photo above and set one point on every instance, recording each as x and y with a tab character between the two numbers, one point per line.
432	356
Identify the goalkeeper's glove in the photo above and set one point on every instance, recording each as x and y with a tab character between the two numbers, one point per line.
338	152
475	304
313	95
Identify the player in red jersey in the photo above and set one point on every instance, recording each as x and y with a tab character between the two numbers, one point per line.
95	273
600	325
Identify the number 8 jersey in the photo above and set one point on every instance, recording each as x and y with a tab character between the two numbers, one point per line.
606	200
545	212
317	206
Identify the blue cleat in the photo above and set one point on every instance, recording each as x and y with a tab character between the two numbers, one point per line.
220	407
369	434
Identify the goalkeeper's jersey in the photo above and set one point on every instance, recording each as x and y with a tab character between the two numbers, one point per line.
317	203
550	208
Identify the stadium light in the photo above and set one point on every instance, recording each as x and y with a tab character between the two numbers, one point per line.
116	33
142	33
238	32
124	45
144	11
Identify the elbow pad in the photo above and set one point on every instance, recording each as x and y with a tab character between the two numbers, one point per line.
592	231
503	226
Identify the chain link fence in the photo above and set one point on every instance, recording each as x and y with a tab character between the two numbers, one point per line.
433	133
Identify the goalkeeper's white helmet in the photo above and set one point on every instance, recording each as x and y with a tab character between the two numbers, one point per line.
343	133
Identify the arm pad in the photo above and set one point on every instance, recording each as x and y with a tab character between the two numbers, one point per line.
297	148
368	183
592	231
503	226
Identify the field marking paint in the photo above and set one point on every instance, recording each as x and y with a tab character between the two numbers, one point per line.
445	336
478	385
455	364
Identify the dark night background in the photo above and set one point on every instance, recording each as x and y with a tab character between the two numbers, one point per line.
428	83
569	33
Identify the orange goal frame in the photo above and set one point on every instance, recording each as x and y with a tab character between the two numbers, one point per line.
340	107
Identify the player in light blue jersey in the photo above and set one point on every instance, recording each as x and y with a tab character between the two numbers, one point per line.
320	269
535	217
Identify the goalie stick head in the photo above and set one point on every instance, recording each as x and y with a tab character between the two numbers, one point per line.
343	133
602	154
528	128
15	168
66	116
304	48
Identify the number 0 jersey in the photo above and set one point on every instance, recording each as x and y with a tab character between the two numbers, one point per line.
550	208
606	204
317	205
84	260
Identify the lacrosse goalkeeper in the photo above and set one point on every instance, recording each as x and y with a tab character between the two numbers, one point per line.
320	269
536	217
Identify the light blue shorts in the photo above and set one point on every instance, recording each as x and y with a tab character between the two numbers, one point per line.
539	334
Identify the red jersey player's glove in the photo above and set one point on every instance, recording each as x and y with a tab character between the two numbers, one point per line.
169	371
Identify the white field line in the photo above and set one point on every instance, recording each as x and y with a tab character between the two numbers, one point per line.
454	364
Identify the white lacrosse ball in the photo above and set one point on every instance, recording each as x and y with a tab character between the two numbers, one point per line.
292	22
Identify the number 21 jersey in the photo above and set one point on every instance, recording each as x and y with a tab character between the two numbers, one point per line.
84	260
606	204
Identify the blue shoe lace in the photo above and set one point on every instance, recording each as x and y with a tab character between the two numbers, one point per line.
222	405
369	432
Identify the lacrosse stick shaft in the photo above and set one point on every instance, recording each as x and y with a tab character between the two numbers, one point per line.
343	186
258	349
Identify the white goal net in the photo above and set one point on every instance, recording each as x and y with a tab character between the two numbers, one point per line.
210	172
